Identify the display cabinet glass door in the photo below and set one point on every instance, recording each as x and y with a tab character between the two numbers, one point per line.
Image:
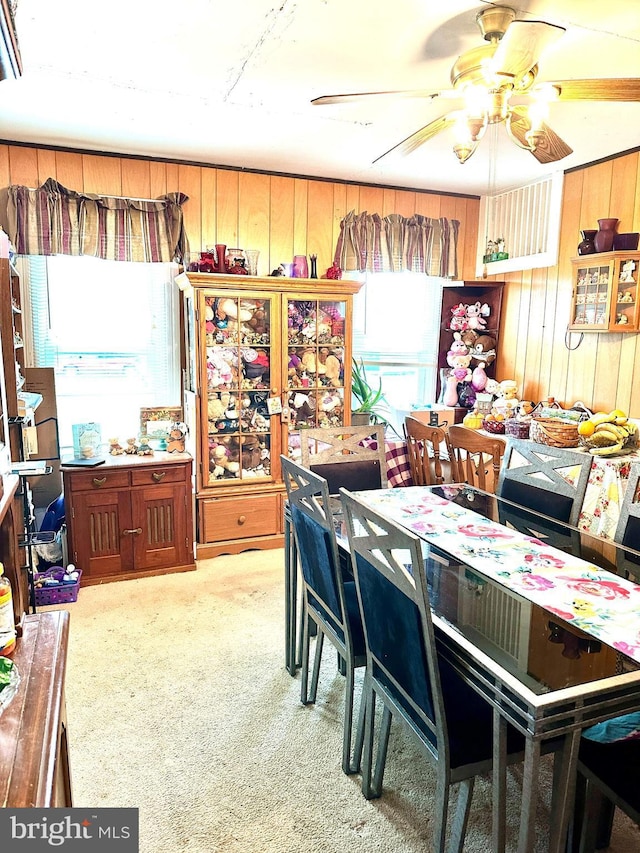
592	294
315	368
625	308
238	357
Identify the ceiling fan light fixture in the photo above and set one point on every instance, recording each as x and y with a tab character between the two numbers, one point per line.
464	150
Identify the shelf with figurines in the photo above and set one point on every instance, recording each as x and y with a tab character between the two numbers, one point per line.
605	292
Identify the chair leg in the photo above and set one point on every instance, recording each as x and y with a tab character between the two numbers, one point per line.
367	722
375	787
316	665
349	765
461	817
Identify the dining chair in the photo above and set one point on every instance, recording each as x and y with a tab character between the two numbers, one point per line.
352	457
550	480
417	687
425	445
475	458
608	778
329	601
628	527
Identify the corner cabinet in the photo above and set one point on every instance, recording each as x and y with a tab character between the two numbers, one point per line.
486	293
270	356
605	293
130	517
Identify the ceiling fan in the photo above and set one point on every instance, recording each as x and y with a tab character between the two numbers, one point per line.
497	82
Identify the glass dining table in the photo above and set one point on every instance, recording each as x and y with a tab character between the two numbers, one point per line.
540	618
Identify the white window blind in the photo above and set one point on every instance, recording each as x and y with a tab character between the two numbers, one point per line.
396	333
110	331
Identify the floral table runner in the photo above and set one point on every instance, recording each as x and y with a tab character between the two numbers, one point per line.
594	600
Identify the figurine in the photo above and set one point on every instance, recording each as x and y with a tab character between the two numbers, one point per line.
115	448
144	449
131	447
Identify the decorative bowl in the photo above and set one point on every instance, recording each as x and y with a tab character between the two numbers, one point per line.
626	242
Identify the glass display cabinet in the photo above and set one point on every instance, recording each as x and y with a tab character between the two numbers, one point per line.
271	356
604	296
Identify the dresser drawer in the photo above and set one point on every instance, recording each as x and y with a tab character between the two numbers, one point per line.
158	474
105	479
222	519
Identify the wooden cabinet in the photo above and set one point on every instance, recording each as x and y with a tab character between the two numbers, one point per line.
605	292
12	335
487	296
271	356
130	517
34	757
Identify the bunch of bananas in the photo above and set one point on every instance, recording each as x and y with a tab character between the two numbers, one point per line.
606	434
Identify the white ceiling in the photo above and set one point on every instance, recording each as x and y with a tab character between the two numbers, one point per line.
229	83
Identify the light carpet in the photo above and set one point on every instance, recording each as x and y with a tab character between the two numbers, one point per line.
178	703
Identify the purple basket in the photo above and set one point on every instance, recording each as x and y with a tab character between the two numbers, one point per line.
63	593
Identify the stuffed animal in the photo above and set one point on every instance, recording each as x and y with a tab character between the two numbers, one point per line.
507	402
459	319
476	314
457	348
131	447
484	349
221	465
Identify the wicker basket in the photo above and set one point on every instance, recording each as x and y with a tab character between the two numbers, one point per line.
516	428
554	433
495	427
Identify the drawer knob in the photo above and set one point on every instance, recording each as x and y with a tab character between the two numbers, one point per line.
136	531
242	519
99	481
158	475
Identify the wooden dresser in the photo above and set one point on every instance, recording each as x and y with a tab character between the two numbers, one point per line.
34	759
131	517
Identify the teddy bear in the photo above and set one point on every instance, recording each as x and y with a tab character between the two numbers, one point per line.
115	448
215	411
507	402
221	465
131	447
483	349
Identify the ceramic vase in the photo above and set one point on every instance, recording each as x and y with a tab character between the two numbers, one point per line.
603	239
586	245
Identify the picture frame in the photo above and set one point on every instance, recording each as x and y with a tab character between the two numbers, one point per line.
155	422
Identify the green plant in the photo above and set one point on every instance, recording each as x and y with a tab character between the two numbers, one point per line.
370	399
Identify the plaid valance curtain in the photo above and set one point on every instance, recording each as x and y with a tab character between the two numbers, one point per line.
373	243
53	220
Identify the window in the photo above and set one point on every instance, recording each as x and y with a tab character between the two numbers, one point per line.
110	330
396	330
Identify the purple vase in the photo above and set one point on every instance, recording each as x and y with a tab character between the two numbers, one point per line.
603	240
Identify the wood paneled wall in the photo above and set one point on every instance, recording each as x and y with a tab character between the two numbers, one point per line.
280	216
283	216
603	369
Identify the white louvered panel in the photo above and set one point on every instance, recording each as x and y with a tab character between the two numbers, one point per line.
496	616
528	218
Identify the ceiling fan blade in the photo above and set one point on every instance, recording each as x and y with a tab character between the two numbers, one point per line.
522	45
550	149
323	100
421	136
607	89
